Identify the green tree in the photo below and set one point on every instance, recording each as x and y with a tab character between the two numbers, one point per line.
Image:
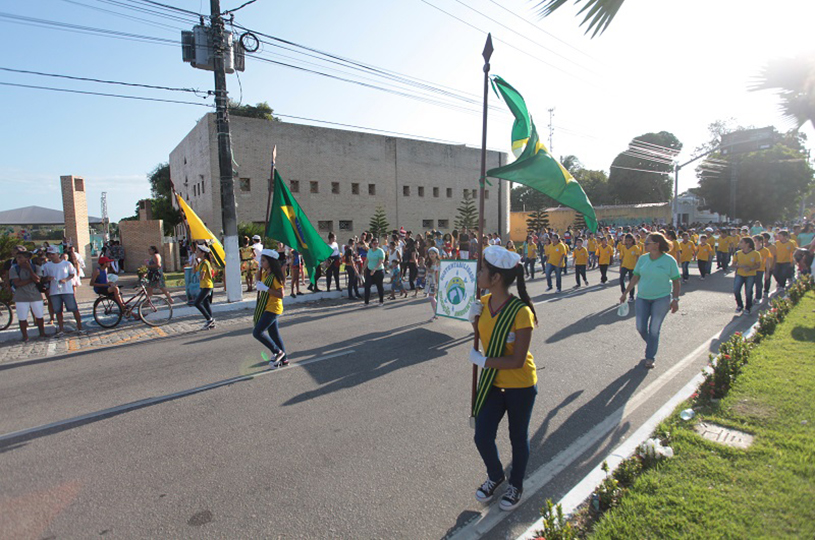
261	111
595	184
467	213
770	184
599	13
650	181
379	225
537	220
579	222
571	163
162	198
524	198
795	78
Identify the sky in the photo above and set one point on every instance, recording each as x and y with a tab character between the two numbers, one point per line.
673	66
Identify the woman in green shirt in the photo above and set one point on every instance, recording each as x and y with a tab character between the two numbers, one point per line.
656	277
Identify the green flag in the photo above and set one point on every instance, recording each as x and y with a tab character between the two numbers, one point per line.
290	225
535	166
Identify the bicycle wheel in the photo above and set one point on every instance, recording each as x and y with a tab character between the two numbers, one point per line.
155	311
6	316
106	312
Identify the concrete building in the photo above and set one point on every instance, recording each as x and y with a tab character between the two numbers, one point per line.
689	210
338	177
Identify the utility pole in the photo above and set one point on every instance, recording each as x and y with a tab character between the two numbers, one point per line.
105	218
228	208
551	128
733	178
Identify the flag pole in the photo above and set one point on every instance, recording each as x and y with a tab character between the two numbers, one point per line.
487	54
271	190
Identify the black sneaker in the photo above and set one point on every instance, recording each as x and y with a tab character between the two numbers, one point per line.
511	499
487	490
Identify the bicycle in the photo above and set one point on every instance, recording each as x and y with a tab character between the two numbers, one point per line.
6	315
152	310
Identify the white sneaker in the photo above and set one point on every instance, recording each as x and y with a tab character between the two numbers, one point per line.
206	325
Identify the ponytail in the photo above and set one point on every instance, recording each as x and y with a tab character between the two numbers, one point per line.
523	295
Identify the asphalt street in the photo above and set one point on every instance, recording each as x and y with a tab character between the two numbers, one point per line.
365	435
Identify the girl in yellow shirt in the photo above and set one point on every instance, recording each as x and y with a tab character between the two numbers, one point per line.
704	256
269	307
508	383
204	269
687	251
581	259
605	254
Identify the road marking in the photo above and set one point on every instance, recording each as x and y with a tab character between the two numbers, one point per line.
493	515
52	348
159	399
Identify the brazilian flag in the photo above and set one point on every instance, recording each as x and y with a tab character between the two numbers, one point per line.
535	166
290	225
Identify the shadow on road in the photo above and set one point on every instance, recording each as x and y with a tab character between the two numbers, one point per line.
590	322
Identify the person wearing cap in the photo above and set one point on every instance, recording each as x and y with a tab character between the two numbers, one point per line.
270	284
249	265
508	382
205	272
102	285
59	275
25	276
375	271
333	266
257	247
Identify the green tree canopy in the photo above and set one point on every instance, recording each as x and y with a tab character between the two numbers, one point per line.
639	180
261	111
379	225
537	220
162	198
770	184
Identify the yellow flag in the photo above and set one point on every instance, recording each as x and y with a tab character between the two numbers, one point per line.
199	231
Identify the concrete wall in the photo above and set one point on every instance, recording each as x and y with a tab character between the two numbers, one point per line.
75	209
137	237
308	154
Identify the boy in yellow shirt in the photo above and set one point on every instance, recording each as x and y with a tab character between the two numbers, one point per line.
704	256
687	252
581	259
723	251
605	255
629	254
784	249
591	245
554	262
766	261
746	261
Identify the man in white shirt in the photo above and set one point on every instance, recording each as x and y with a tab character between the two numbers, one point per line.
59	274
257	248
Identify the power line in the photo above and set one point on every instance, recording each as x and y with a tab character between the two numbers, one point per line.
87	92
172	8
31	21
239	7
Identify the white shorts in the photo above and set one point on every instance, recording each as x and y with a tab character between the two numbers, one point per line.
24	307
462	254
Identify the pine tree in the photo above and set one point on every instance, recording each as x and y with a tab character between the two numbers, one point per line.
379	223
467	213
579	223
537	220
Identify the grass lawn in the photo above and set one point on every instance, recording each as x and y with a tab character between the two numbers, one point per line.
712	491
174	279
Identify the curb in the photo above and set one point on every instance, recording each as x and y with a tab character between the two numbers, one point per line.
583	489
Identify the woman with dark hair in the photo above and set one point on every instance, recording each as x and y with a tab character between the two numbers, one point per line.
656	276
206	284
155	274
270	285
508	383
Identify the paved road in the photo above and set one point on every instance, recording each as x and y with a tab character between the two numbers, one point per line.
365	435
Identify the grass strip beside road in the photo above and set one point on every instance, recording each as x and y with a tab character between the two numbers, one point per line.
712	491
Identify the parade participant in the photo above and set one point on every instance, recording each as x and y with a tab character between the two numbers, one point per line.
554	262
421	276
352	263
464	244
656	276
766	260
687	251
508	383
25	276
248	264
581	259
333	263
410	259
375	271
704	256
295	271
102	285
530	255
769	268
591	246
746	261
59	274
270	284
629	254
723	251
804	261
784	249
605	255
205	274
806	237
674	251
433	265
155	274
757	228
396	281
257	248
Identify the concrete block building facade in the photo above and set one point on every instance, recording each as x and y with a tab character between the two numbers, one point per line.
338	177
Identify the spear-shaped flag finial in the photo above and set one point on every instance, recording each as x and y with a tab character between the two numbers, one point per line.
487	50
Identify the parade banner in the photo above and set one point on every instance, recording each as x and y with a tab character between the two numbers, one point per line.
456	290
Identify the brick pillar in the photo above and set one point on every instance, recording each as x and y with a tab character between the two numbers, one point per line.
75	209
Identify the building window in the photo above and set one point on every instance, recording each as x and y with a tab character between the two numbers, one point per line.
435	192
294	186
335	188
444	223
315	187
406	191
346	225
466	193
449	193
371	189
355	189
195	190
79	184
421	191
427	224
201	189
325	226
486	194
246	184
474	194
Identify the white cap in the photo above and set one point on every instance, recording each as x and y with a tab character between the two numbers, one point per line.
256	238
203	248
501	257
270	253
433	249
52	249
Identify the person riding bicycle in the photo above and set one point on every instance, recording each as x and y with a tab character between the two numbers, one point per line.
101	284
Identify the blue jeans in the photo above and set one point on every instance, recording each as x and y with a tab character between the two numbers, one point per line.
704	267
747	282
202	303
517	403
686	270
650	314
529	266
623	273
267	332
557	269
759	286
783	272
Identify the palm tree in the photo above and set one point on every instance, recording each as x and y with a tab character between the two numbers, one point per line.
599	13
795	79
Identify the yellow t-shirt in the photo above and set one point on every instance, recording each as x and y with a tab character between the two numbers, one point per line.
557	252
723	245
204	270
275	304
531	250
581	256
591	245
695	238
604	254
711	241
765	254
522	377
747	259
705	252
674	251
630	256
784	251
686	251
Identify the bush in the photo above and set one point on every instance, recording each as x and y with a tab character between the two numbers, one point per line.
628	471
555	526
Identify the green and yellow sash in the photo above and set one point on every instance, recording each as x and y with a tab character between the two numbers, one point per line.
263	297
495	349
